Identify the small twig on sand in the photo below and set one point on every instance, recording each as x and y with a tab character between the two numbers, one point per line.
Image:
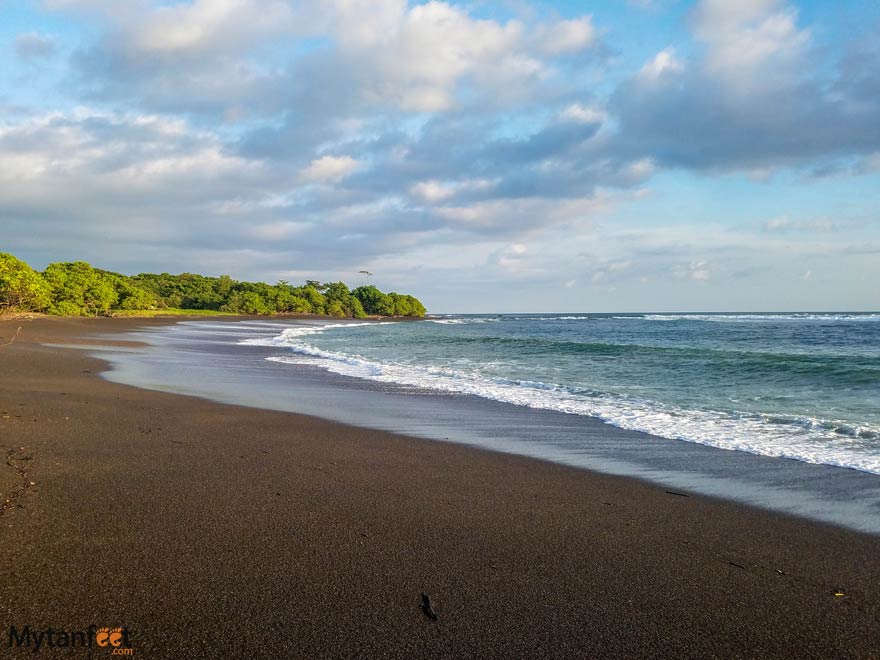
427	608
6	342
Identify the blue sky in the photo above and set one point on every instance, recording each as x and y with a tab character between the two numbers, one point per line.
486	156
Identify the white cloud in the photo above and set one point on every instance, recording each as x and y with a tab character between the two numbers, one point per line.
784	223
432	191
97	183
419	61
416	57
512	259
754	97
329	169
363	23
663	63
127	153
775	224
713	16
567	36
276	231
200	27
750	40
583	114
435	192
517	215
697	270
446	132
641	169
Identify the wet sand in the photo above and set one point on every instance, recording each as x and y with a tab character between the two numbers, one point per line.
211	530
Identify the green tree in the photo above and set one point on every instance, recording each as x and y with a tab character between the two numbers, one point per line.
300	305
76	288
76	285
21	287
337	294
246	302
372	300
356	309
335	309
314	298
132	297
224	285
414	306
404	305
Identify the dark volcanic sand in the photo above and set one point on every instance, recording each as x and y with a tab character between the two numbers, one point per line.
215	531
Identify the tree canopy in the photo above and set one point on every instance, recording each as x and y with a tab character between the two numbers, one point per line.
21	287
78	289
387	304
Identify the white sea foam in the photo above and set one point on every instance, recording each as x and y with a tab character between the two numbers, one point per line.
805	439
800	316
464	321
756	317
550	318
459	320
289	335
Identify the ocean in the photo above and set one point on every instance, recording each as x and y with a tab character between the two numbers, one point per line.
780	411
801	386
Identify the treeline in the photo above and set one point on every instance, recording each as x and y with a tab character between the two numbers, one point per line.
78	289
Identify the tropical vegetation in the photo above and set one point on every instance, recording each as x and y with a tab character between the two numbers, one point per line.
78	289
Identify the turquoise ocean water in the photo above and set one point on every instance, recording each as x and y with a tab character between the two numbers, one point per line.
803	386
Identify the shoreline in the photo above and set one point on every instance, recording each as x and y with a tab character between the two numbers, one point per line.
324	535
210	361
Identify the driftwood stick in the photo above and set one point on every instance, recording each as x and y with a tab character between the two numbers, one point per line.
6	342
427	607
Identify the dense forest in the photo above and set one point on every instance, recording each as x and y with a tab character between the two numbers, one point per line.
78	289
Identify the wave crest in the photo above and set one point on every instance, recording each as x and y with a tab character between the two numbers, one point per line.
806	439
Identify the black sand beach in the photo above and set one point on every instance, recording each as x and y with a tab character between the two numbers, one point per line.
210	530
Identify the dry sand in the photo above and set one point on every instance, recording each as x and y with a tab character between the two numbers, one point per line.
216	531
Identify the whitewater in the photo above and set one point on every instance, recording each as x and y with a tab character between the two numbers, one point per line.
803	386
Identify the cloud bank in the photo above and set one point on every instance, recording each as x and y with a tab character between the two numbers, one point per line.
432	143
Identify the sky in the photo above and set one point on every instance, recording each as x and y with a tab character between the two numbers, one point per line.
485	156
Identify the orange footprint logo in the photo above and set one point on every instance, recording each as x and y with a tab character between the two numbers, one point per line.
102	637
106	636
116	637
